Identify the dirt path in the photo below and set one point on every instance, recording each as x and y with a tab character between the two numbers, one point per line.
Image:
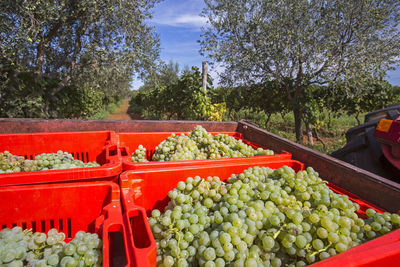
121	112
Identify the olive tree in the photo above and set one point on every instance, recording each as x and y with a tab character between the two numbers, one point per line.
302	43
85	43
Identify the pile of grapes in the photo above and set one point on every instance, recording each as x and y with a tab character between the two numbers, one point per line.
46	161
139	155
199	144
23	248
261	217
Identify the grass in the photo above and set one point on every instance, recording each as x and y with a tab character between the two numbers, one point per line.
105	112
331	133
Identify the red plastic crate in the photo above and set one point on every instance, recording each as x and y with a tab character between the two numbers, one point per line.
97	146
145	190
129	142
92	207
379	252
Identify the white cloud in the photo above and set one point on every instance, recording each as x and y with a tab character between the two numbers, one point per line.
179	14
185	20
194	20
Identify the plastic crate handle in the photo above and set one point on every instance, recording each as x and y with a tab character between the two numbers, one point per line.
111	221
124	150
112	138
113	155
143	245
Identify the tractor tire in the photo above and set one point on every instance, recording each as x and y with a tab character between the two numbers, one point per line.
364	151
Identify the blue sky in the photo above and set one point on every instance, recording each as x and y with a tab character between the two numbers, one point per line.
178	24
394	76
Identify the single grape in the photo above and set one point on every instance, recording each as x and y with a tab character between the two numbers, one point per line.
69	249
53	259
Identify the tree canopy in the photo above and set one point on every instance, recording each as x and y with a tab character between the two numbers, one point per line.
163	75
303	43
54	47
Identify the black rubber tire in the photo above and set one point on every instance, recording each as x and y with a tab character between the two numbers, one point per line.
363	150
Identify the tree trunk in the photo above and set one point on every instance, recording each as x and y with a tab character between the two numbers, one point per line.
204	81
358	120
46	107
267	121
329	120
309	134
318	138
298	125
40	58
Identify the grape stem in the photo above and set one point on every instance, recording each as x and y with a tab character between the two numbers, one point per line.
178	252
40	250
196	186
208	188
175	230
27	232
279	231
322	250
322	182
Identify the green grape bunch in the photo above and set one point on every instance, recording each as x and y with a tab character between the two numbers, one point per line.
260	217
378	224
199	144
139	155
23	248
10	163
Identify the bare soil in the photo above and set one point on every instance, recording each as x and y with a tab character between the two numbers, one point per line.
121	112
